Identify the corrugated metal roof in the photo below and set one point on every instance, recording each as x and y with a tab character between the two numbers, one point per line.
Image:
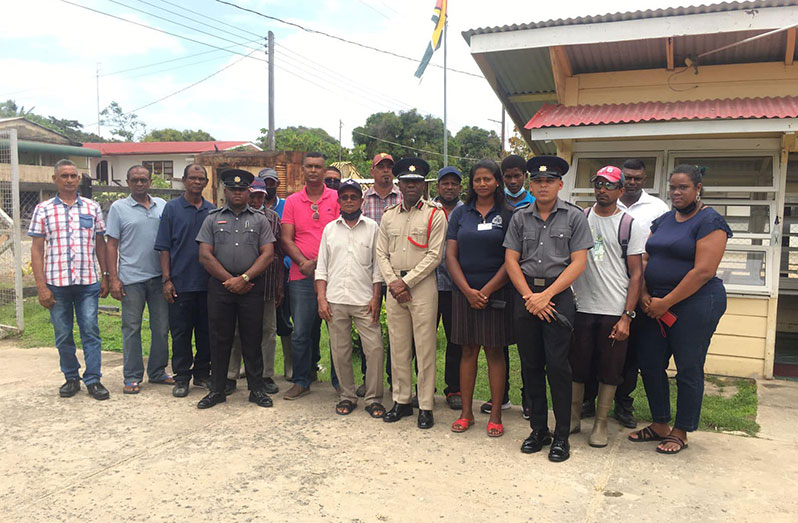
125	148
524	71
727	109
634	15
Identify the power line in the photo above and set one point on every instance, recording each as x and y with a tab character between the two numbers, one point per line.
375	9
161	30
414	148
214	27
209	18
340	39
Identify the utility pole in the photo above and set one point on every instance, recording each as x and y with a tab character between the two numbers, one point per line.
272	145
503	127
97	77
340	145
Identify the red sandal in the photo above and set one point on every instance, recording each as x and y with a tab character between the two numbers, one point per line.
462	425
495	430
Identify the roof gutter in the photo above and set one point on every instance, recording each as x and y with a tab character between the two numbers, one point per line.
52	148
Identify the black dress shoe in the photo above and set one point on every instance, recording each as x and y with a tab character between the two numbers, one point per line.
69	389
211	399
204	382
97	391
397	412
588	410
536	441
260	398
425	419
230	387
560	450
270	386
625	417
180	390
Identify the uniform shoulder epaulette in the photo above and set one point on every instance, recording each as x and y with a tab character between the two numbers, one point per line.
575	206
394	206
214	211
431	203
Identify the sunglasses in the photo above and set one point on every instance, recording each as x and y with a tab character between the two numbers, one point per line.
315	208
349	197
610	186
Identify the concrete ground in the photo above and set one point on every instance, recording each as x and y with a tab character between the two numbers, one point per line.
152	457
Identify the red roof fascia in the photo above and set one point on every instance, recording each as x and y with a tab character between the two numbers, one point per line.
125	148
727	109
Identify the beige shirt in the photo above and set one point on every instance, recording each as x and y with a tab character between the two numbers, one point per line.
410	244
347	261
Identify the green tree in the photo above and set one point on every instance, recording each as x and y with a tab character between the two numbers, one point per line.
70	128
518	145
173	135
124	125
477	143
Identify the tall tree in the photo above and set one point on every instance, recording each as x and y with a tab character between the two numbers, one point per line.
518	145
124	125
173	135
70	128
476	143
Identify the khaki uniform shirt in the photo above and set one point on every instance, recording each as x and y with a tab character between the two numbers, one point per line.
410	242
236	239
546	246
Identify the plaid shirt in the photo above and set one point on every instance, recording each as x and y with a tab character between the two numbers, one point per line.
70	237
374	206
274	272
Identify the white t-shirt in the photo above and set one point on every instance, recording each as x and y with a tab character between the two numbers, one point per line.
645	210
602	288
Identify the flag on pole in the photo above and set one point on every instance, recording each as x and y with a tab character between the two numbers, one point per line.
439	17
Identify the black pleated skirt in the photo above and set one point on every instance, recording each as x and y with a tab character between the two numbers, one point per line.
488	327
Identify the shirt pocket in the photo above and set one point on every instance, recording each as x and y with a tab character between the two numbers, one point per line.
561	239
419	235
251	236
222	237
530	243
86	221
364	252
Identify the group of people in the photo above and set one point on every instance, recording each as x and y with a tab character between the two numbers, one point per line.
589	296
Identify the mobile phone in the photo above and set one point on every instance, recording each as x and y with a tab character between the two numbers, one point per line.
668	318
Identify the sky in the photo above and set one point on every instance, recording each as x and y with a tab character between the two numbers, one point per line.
51	58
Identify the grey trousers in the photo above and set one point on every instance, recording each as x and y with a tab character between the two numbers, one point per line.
136	296
268	345
340	328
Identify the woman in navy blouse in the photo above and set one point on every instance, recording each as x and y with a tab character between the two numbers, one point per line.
683	301
482	295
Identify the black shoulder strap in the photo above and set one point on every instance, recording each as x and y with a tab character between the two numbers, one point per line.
624	233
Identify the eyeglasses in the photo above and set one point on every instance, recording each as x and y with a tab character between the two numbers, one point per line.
610	186
315	208
349	197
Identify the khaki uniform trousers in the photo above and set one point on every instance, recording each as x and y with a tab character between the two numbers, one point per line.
415	320
268	345
340	328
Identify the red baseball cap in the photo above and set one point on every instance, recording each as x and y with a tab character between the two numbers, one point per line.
380	157
610	173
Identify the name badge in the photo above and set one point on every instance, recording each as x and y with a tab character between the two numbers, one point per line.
484	226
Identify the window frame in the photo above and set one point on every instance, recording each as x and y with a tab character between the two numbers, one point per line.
776	165
658	170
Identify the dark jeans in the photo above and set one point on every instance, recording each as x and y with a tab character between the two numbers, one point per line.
225	311
82	301
593	349
188	316
687	341
454	352
544	349
307	332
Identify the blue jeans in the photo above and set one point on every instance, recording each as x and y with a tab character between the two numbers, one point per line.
136	295
83	300
305	314
687	341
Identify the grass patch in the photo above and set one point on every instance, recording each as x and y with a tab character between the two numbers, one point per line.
736	413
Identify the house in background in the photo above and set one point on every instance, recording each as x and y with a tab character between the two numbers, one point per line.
712	85
167	159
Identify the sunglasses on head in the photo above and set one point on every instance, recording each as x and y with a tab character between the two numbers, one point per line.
610	186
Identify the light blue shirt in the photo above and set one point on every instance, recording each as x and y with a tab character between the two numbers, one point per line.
136	227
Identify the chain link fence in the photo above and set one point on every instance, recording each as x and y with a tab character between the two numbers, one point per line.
12	228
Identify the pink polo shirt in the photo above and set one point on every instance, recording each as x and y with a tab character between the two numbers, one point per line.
307	235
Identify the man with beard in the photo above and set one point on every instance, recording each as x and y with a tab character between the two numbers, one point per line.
606	297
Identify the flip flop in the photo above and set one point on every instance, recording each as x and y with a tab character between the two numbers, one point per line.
132	388
645	435
462	425
495	430
670	438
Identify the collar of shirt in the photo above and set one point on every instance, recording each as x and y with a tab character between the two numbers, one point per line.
328	193
644	199
132	201
472	207
58	200
371	192
533	208
186	203
246	208
419	205
341	220
275	203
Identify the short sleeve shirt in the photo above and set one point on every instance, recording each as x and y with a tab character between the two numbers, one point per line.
479	243
69	232
177	233
299	212
671	249
528	198
135	227
546	246
603	287
236	238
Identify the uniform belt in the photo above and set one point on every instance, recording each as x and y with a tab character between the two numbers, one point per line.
540	283
402	274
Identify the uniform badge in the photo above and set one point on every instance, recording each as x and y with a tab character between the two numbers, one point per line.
412	168
497	221
542	168
237	179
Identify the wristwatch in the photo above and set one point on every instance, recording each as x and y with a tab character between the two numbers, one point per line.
245	277
631	314
106	274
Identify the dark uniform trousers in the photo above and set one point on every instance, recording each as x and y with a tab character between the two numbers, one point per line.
225	310
544	349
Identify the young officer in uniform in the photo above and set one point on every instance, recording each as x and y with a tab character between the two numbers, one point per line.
236	247
546	250
409	248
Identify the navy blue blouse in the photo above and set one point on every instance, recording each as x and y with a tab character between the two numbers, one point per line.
671	249
479	243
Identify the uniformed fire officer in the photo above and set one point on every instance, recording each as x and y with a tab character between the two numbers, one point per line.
546	250
409	248
236	247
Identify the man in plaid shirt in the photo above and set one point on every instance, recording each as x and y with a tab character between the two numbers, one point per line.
68	235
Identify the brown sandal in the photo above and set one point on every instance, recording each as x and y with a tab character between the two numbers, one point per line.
132	388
